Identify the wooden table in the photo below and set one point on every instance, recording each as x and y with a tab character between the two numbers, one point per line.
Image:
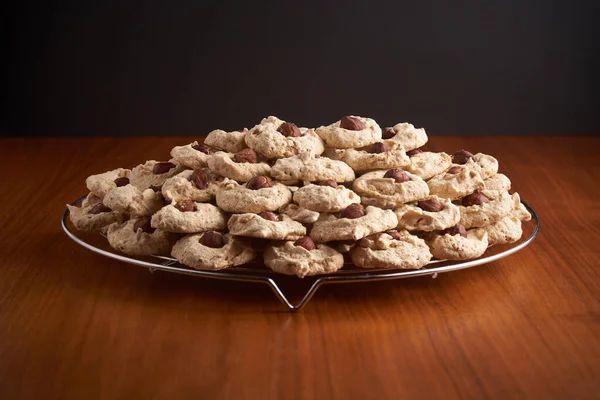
74	325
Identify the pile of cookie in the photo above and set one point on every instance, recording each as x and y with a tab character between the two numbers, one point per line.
306	199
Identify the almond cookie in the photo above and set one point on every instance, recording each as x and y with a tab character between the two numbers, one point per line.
325	196
193	155
353	223
311	168
258	195
426	164
212	251
275	138
231	142
485	207
456	182
300	214
241	166
487	166
266	225
137	238
393	250
153	173
390	189
303	258
457	243
101	184
130	200
498	182
350	132
432	213
94	217
198	185
507	230
519	209
379	155
406	135
189	217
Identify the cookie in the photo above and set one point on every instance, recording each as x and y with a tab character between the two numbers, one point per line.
391	250
154	173
427	164
350	132
212	251
484	208
406	135
390	189
506	230
193	155
379	155
456	182
230	142
294	259
311	168
94	217
90	200
432	213
332	227
198	185
266	225
196	217
498	182
484	164
468	245
518	209
300	214
329	197
249	198
137	238
130	200
239	168
275	138
101	184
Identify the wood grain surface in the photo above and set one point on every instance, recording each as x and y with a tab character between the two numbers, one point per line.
74	325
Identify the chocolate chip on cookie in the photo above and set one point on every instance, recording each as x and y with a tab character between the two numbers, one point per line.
143	224
155	188
431	205
457	169
269	215
388	133
212	239
306	242
162	168
99	208
394	234
123	181
474	199
185	206
377	148
352	123
202	148
461	157
289	129
353	211
200	179
327	182
398	175
413	152
457	229
246	156
259	182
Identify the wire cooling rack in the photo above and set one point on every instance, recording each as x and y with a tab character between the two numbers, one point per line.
258	273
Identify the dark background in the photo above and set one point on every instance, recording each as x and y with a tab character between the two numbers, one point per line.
187	67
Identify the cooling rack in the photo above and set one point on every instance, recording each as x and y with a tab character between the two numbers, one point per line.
258	273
